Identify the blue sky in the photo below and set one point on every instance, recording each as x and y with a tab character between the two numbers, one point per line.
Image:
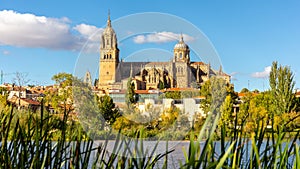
42	38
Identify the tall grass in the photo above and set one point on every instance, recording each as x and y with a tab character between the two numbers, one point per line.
261	150
32	145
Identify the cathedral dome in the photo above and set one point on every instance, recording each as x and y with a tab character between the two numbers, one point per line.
181	44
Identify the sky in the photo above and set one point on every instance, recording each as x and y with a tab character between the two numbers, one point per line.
42	38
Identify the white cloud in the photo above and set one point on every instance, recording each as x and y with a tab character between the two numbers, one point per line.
89	31
29	30
160	37
263	74
6	52
233	73
92	36
233	76
139	39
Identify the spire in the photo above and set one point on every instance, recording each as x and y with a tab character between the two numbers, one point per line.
141	74
108	19
220	70
198	74
131	70
181	37
208	70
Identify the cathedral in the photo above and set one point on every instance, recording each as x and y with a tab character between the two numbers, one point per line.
179	72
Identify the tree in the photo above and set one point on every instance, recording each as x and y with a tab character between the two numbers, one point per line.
107	109
258	113
244	90
63	79
161	85
87	107
214	90
130	97
169	117
244	108
172	95
226	111
20	79
62	96
218	93
232	93
255	91
282	88
206	92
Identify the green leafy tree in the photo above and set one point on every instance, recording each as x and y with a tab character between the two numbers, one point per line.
153	115
232	93
130	97
107	109
214	90
206	92
63	79
258	114
169	117
161	85
61	98
218	93
226	111
172	95
243	113
255	91
282	88
244	90
198	121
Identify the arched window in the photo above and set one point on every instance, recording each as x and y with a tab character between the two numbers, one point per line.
180	55
109	56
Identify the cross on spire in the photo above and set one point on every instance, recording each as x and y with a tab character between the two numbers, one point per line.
108	19
181	37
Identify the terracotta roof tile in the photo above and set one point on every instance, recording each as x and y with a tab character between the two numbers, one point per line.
32	102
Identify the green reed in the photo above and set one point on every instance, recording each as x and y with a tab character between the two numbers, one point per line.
41	140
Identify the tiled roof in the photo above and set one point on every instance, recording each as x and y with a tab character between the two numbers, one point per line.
116	91
157	63
32	102
298	94
178	89
146	91
199	97
244	94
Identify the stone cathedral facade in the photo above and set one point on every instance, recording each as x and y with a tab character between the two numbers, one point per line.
180	72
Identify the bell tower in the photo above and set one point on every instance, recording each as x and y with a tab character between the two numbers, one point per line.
181	63
109	56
